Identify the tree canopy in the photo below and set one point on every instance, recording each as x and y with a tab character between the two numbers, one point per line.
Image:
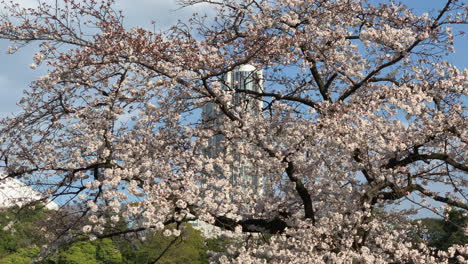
22	236
443	233
359	110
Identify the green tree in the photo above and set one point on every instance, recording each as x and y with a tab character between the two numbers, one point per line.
20	234
21	238
442	234
189	247
219	244
107	252
102	251
21	256
79	253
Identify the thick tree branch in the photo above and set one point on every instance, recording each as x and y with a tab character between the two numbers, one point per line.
329	83
300	188
319	81
272	226
439	198
365	172
302	191
425	157
398	193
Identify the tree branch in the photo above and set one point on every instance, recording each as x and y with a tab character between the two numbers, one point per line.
272	226
302	191
424	157
355	87
398	193
281	97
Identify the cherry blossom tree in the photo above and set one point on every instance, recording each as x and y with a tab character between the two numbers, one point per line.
360	111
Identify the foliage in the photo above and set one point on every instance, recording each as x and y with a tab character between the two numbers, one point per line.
219	244
20	234
442	234
21	256
20	244
335	108
188	247
102	251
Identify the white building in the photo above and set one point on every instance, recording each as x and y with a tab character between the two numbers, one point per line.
242	78
15	192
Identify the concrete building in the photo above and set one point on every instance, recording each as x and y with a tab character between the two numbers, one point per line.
246	78
15	192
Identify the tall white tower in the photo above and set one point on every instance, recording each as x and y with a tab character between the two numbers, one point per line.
242	78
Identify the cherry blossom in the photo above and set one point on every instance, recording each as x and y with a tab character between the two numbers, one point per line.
359	111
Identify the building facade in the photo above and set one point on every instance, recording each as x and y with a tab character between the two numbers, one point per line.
242	78
14	192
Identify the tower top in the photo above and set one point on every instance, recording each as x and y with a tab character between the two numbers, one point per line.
246	68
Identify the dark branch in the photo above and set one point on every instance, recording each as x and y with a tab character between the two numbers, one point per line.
425	157
272	226
302	191
398	193
282	97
